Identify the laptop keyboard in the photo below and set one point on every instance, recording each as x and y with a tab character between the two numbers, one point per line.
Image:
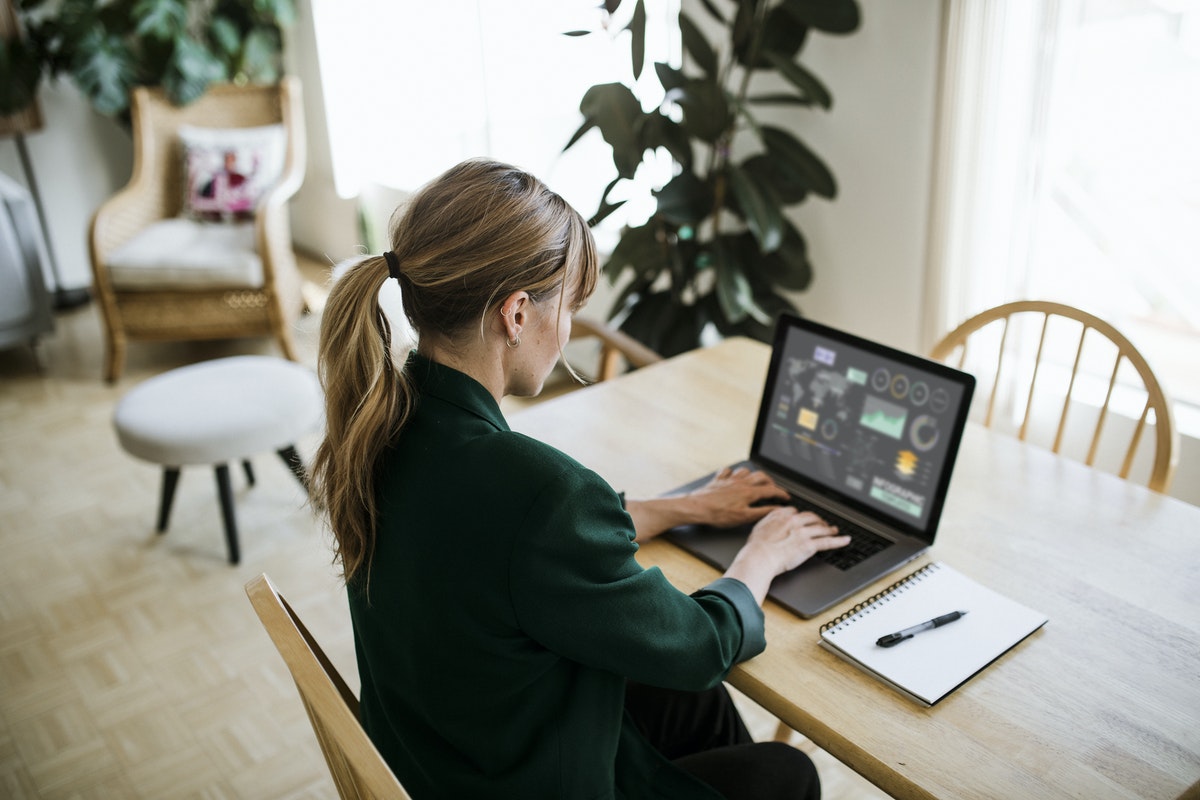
863	543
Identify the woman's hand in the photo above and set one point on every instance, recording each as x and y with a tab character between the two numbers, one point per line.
783	540
729	499
726	501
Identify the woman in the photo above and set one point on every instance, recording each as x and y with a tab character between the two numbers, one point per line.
508	642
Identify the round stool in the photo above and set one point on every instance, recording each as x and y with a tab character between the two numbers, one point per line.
219	411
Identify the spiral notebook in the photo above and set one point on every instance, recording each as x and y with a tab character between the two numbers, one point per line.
933	663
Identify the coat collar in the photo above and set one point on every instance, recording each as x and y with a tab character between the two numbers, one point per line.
456	388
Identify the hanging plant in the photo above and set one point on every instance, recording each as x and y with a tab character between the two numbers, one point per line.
719	252
107	48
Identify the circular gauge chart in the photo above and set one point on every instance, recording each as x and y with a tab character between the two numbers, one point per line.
899	387
924	433
880	379
918	395
939	401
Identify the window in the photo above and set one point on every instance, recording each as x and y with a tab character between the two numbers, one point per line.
1071	172
413	88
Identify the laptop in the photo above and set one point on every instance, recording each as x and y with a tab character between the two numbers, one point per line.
864	435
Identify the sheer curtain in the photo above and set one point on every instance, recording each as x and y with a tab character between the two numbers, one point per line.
1068	170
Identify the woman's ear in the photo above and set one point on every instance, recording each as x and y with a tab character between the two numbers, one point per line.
513	313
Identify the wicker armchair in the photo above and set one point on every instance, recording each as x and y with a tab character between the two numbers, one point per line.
198	309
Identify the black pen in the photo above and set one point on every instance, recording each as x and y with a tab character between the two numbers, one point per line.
893	639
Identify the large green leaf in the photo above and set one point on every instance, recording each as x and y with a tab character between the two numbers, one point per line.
160	19
637	28
668	76
662	323
734	293
639	249
713	12
794	154
695	42
772	305
788	267
802	79
784	183
685	200
192	68
613	108
225	37
281	13
706	110
259	61
606	208
781	33
104	71
831	16
779	99
659	130
758	208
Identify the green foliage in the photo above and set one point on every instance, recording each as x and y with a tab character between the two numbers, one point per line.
719	251
107	47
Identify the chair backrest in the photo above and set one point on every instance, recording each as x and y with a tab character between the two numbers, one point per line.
1166	436
158	166
615	347
356	766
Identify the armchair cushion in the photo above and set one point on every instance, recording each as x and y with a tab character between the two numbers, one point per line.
228	169
185	253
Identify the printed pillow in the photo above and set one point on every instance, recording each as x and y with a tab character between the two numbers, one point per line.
227	170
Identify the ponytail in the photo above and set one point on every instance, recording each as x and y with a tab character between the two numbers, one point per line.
368	398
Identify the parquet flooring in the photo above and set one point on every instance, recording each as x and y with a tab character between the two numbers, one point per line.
131	664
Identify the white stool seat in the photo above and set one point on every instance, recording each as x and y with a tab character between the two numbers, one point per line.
219	411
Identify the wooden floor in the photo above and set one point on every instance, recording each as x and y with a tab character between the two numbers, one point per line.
131	664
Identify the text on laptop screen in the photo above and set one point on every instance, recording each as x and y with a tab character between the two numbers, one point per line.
871	428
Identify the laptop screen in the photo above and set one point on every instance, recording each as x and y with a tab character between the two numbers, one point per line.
870	426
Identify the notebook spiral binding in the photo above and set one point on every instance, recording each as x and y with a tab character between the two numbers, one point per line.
896	588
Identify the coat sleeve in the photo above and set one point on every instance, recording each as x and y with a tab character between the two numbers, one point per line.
578	590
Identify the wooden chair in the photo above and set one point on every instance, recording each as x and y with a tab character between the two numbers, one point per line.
1166	436
156	192
357	768
616	347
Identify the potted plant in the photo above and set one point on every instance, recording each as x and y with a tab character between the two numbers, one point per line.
719	252
107	48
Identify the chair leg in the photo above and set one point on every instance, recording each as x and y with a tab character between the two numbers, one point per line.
169	482
114	358
292	459
249	470
225	491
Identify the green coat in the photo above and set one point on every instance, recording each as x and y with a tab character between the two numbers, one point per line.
503	612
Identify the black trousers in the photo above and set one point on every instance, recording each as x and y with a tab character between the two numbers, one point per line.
703	733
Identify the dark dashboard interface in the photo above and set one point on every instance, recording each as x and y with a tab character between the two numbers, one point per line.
876	427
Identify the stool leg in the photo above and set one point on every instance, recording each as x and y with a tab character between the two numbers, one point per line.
225	490
249	471
292	459
169	482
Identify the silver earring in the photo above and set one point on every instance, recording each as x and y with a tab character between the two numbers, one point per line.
514	342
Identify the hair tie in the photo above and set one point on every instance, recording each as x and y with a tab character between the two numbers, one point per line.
393	264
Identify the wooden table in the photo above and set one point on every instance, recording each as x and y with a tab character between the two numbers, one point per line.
1103	702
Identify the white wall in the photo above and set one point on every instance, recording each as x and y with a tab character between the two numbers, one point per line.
869	246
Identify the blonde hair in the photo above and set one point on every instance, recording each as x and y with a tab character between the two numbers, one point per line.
463	243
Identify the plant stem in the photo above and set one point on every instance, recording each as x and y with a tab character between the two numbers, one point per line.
719	156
